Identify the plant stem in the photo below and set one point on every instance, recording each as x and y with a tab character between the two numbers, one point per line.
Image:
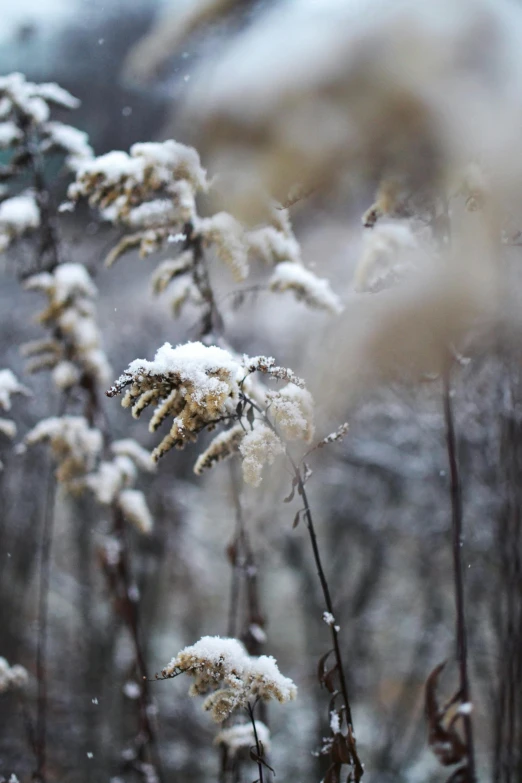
259	749
212	322
123	592
358	768
457	514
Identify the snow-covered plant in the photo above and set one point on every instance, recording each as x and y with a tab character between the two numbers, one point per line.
113	482
77	449
73	351
26	128
87	458
153	192
75	445
202	386
223	669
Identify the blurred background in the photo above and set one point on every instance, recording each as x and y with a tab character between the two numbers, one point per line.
381	497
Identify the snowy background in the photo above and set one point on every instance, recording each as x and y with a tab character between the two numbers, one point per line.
380	498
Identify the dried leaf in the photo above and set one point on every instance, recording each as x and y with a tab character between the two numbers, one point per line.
321	666
340	750
297	519
331	707
290	497
444	741
329	679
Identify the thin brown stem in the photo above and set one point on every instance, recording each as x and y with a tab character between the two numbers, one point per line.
457	544
131	615
300	483
259	749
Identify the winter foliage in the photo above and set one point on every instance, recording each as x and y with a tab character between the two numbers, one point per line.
351	207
